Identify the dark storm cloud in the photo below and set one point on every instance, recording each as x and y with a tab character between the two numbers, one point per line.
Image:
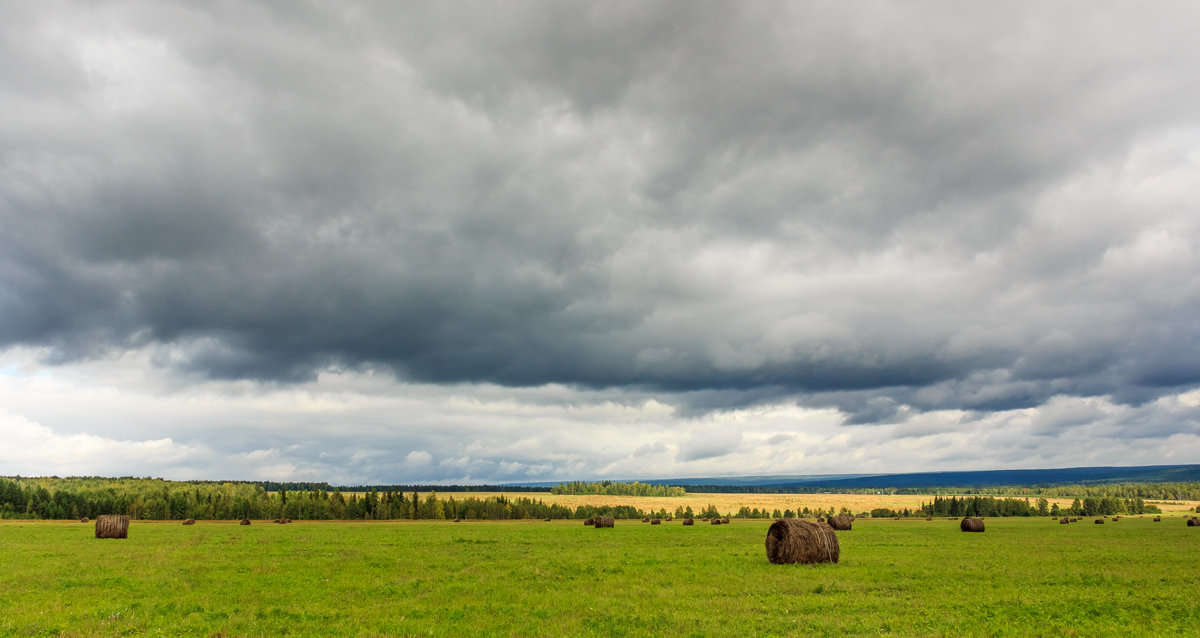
863	207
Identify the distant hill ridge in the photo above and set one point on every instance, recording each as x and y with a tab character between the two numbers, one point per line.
981	478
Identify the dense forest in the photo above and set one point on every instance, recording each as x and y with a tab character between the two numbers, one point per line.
158	499
617	488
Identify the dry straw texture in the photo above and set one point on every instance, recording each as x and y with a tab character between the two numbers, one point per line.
688	521
656	521
84	520
245	521
190	521
111	526
971	525
590	521
841	523
604	521
791	540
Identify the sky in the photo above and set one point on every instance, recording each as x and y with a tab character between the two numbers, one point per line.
455	242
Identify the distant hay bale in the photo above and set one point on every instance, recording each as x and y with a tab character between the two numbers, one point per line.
969	524
548	520
655	521
190	521
1157	519
929	519
1064	522
1191	522
724	521
716	521
645	520
1116	518
840	523
84	520
112	526
1099	521
458	520
791	540
244	521
591	520
604	521
688	521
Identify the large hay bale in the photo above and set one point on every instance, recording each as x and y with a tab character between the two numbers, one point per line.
840	523
604	521
1064	522
112	526
791	540
190	521
688	521
656	521
1099	521
245	521
969	524
1190	523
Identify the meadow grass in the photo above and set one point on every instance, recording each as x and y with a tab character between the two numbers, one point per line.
533	578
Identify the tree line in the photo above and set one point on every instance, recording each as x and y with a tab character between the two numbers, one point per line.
617	488
158	499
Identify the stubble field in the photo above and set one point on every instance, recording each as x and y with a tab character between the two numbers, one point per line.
534	578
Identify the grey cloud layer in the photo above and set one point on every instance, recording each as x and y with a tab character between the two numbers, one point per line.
974	208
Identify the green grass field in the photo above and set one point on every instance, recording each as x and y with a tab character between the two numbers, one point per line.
526	578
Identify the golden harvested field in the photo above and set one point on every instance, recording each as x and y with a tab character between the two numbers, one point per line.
732	502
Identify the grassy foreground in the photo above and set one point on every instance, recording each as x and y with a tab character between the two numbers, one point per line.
526	578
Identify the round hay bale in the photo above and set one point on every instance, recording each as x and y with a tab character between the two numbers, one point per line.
724	521
190	521
112	526
688	521
604	521
791	540
656	521
645	520
548	520
458	520
1099	521
84	520
840	523
716	521
1064	522
244	521
1191	522
969	524
929	519
591	520
1157	519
